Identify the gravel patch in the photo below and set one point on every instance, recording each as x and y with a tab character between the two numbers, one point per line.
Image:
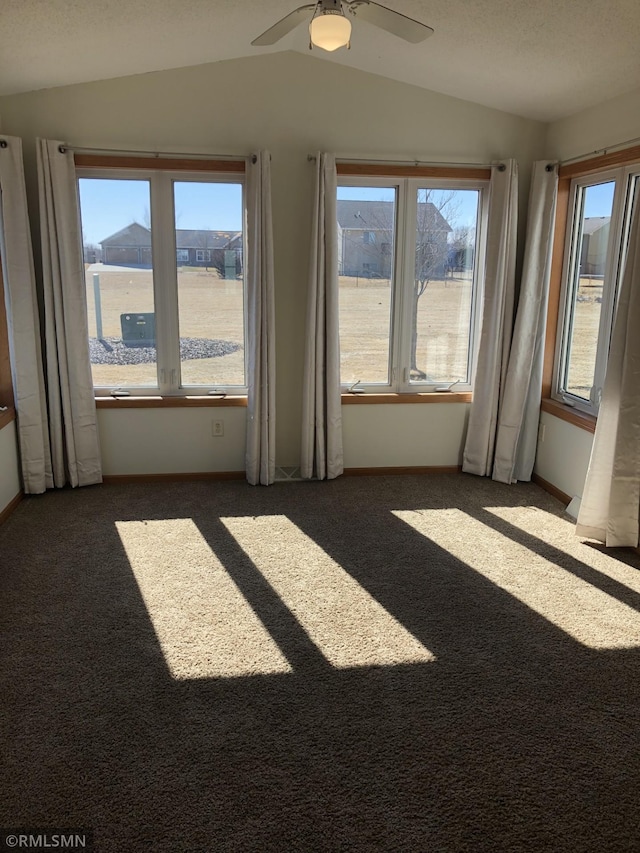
113	351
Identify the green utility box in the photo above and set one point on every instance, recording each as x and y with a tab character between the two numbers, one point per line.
138	330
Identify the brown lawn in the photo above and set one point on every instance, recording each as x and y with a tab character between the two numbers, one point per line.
443	329
584	337
209	308
212	308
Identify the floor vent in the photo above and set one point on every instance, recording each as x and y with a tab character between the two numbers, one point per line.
284	475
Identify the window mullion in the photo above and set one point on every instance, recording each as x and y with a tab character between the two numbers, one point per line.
611	282
405	283
165	283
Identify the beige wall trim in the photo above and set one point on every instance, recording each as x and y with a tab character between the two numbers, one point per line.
432	397
119	479
397	171
403	469
169	402
568	413
169	164
551	489
624	157
6	512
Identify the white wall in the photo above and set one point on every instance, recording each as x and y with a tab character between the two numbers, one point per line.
409	437
563	458
293	105
171	441
563	454
609	123
9	473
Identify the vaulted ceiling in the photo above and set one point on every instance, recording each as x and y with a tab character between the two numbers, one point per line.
543	59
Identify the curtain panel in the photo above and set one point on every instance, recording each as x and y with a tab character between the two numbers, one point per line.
261	402
23	322
611	500
73	428
519	409
497	319
322	455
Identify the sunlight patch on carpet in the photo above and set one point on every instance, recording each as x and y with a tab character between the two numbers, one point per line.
584	612
349	627
609	563
204	625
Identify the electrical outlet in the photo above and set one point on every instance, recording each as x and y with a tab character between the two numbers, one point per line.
217	428
541	431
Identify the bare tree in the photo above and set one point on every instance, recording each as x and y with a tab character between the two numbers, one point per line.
435	209
461	246
92	252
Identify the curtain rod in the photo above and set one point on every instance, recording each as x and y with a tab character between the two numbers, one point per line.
157	154
347	160
606	150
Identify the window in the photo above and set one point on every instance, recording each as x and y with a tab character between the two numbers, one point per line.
595	244
159	320
408	297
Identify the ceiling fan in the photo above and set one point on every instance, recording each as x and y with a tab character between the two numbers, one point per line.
330	29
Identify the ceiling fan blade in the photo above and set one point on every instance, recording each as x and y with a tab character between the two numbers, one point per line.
284	26
393	22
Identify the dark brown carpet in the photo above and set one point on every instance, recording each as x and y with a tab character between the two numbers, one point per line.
372	664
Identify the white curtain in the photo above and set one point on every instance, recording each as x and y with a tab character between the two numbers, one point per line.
23	320
321	406
75	452
519	410
261	403
611	500
497	319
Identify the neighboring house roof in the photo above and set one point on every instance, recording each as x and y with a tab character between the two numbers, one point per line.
594	223
378	215
136	235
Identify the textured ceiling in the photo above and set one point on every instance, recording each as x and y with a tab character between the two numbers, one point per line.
543	59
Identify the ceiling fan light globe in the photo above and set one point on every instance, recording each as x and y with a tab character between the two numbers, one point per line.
330	31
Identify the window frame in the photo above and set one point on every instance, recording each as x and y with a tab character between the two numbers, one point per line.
626	176
407	181
161	173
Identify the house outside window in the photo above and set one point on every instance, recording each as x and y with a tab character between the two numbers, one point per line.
156	326
408	320
597	233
